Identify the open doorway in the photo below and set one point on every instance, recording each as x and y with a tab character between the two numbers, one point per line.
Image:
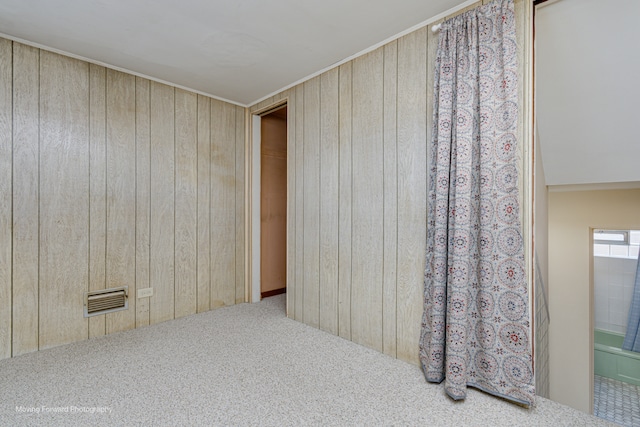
273	203
586	181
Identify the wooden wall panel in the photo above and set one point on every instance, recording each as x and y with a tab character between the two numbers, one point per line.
380	104
204	203
263	104
121	194
382	111
329	177
311	297
279	96
412	181
143	197
299	202
390	173
367	222
26	87
186	208
6	90
345	201
162	238
64	198
223	212
292	286
240	172
100	188
97	189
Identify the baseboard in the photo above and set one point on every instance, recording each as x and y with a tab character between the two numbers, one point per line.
273	292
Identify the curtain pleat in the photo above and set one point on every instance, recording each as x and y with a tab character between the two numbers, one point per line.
476	322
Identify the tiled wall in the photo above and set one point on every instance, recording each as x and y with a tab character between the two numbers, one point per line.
542	338
613	280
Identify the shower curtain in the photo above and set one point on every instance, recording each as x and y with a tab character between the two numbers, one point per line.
632	337
475	327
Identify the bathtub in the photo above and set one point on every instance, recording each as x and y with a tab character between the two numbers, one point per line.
611	361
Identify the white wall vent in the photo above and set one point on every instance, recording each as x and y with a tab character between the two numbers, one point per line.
106	301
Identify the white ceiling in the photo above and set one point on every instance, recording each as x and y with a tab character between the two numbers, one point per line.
587	91
239	50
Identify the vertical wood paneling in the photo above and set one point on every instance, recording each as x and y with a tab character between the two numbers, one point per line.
299	201
329	177
64	198
412	179
292	286
279	96
263	104
162	238
223	196
121	193
367	226
383	108
186	207
189	214
98	188
345	201
390	200
26	84
312	202
240	150
101	188
143	196
5	196
204	203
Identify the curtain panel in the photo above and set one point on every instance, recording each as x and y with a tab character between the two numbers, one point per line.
476	322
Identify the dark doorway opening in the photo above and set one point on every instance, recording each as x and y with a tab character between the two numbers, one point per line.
273	203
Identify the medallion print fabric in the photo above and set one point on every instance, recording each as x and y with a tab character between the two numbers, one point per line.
475	327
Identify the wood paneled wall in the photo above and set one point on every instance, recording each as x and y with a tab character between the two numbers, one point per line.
107	180
357	189
357	197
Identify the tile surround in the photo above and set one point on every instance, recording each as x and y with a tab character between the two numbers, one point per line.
613	281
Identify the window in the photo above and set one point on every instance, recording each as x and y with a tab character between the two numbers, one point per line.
616	243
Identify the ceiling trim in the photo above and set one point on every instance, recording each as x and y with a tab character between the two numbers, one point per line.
432	20
628	185
113	67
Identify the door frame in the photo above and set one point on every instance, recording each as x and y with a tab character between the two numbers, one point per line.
254	191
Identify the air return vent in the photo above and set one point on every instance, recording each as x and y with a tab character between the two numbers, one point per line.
105	301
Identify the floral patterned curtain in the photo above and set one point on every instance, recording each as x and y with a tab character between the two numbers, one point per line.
475	328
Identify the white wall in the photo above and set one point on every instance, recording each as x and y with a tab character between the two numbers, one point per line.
587	65
541	246
572	218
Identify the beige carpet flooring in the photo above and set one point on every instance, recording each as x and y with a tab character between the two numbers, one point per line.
242	365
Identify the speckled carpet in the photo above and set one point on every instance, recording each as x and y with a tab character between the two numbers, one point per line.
242	365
